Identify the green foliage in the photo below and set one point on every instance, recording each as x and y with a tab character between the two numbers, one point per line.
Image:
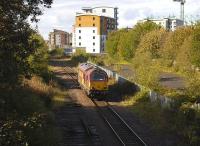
112	43
193	88
25	119
57	52
99	60
15	48
195	48
39	60
174	42
145	74
188	124
140	30
124	46
80	56
152	43
123	43
183	58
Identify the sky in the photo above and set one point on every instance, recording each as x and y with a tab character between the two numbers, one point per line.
62	13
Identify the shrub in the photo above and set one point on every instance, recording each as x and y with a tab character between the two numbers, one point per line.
80	56
25	119
25	115
57	52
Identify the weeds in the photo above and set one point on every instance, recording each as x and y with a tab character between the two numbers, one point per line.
26	114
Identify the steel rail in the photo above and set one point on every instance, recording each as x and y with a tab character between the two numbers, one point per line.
125	123
109	124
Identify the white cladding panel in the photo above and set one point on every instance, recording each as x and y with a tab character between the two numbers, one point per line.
58	41
73	39
105	11
162	23
84	39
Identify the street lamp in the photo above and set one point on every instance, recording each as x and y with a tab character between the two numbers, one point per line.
182	2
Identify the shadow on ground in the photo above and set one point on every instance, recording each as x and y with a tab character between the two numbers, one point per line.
62	62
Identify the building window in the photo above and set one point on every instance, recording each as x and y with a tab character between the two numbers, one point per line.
93	50
79	43
79	31
79	18
79	37
93	37
93	24
103	10
93	18
93	44
79	24
93	31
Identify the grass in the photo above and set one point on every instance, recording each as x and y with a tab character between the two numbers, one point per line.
159	119
182	123
27	113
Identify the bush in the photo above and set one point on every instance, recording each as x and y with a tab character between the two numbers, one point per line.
25	115
58	52
80	56
98	60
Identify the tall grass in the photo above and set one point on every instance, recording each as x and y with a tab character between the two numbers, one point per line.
26	116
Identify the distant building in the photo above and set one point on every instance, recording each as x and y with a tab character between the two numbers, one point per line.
92	26
59	39
167	23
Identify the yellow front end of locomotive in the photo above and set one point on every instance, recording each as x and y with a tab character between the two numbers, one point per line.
99	85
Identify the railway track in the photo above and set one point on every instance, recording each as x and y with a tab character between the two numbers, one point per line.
74	77
123	132
75	128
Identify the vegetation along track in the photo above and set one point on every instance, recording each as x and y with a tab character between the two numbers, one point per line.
124	133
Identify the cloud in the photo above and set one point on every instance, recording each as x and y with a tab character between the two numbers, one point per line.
62	13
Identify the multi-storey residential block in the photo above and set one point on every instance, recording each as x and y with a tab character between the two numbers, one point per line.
59	39
167	23
92	27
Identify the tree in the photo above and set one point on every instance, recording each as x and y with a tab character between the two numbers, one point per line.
174	42
39	60
123	47
124	42
152	43
15	47
183	57
195	48
112	43
140	30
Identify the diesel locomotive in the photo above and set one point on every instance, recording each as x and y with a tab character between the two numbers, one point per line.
92	79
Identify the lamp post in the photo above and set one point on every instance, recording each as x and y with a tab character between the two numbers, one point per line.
182	2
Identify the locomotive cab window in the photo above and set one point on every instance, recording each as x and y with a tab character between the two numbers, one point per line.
98	76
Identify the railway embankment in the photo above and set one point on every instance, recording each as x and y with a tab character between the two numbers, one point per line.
168	109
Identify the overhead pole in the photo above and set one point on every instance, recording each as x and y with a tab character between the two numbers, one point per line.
182	2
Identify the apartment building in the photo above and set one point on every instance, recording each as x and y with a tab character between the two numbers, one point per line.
92	26
167	23
59	39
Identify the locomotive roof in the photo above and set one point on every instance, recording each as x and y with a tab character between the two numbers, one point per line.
86	66
89	68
